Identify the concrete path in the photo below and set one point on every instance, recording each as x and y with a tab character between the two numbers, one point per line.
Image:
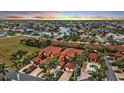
36	72
84	74
41	74
66	76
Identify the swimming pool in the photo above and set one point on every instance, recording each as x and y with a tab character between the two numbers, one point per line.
93	68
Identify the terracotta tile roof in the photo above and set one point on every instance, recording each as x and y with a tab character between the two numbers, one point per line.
68	52
62	64
112	47
69	66
47	51
56	50
51	50
118	55
119	48
78	51
70	44
61	58
71	52
92	46
45	61
40	52
56	42
92	56
36	60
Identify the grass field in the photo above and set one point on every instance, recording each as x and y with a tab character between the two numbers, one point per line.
11	45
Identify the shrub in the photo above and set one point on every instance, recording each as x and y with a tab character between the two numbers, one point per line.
113	64
30	69
58	75
33	67
24	70
78	72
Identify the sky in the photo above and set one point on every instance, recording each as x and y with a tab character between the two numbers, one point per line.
32	14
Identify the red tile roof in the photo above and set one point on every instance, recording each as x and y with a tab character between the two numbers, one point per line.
78	51
62	64
51	50
70	44
71	52
56	42
92	46
36	60
69	66
119	48
112	47
118	55
45	61
92	56
40	52
56	50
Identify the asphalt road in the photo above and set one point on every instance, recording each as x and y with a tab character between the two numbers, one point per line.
110	73
22	77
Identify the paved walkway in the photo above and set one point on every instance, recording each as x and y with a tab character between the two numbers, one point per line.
84	74
41	74
36	72
66	76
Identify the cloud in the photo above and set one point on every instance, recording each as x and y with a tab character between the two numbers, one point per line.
30	13
55	14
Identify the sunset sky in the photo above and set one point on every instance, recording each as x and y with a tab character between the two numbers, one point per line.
60	14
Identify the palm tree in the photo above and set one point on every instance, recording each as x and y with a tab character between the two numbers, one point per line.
44	67
104	49
76	61
98	75
53	62
19	59
81	46
120	64
87	51
82	58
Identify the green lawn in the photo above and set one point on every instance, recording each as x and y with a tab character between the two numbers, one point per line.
11	45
